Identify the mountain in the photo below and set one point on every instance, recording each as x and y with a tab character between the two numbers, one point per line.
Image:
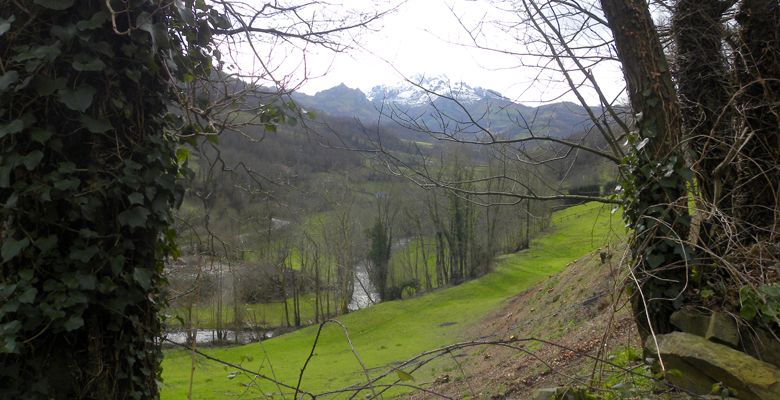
443	107
422	90
343	101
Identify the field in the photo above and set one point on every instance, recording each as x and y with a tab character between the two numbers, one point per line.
392	331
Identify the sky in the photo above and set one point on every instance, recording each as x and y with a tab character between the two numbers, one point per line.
421	37
430	37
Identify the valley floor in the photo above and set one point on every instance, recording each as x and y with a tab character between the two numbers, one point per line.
389	333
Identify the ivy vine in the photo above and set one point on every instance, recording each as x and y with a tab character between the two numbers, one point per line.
88	177
654	189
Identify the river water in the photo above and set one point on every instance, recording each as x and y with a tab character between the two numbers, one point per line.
209	336
364	294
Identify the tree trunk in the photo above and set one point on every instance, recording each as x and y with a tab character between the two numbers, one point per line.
87	180
758	130
658	210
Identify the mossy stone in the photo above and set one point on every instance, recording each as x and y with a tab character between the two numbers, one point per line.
695	363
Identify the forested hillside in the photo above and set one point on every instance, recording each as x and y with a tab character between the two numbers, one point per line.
276	224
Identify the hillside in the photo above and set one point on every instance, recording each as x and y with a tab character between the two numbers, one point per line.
434	106
390	332
565	332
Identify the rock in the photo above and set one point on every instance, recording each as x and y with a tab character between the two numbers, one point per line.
545	394
723	329
691	321
701	363
761	344
561	393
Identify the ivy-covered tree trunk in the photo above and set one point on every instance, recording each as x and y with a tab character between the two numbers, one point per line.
757	64
703	86
88	176
731	122
657	206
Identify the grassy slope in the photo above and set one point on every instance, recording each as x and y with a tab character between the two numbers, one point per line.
396	330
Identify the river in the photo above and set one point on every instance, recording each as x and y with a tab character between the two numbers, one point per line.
364	293
209	336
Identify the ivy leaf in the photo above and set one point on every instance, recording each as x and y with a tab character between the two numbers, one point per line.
748	311
95	125
64	32
84	254
67	184
143	277
73	323
32	159
41	135
5	176
12	127
182	154
134	217
7	79
12	247
28	296
54	4
404	376
186	15
136	198
6	290
48	53
79	99
654	260
144	23
83	62
5	24
8	331
117	263
26	275
87	281
12	200
46	244
95	22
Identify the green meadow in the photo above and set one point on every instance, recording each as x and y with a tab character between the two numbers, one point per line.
389	332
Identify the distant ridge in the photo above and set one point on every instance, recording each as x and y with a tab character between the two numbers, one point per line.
447	107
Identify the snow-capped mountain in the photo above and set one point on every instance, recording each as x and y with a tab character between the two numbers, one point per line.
422	90
427	101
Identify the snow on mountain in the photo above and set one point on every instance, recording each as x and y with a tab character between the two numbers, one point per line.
421	90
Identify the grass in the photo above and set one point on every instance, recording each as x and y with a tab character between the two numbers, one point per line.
392	331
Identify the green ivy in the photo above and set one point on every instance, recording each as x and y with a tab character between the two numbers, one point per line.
654	189
762	303
89	174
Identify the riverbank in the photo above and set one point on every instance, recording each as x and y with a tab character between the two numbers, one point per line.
392	331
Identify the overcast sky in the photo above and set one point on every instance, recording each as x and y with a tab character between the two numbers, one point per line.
426	37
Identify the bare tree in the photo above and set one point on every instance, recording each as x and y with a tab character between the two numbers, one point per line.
700	128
